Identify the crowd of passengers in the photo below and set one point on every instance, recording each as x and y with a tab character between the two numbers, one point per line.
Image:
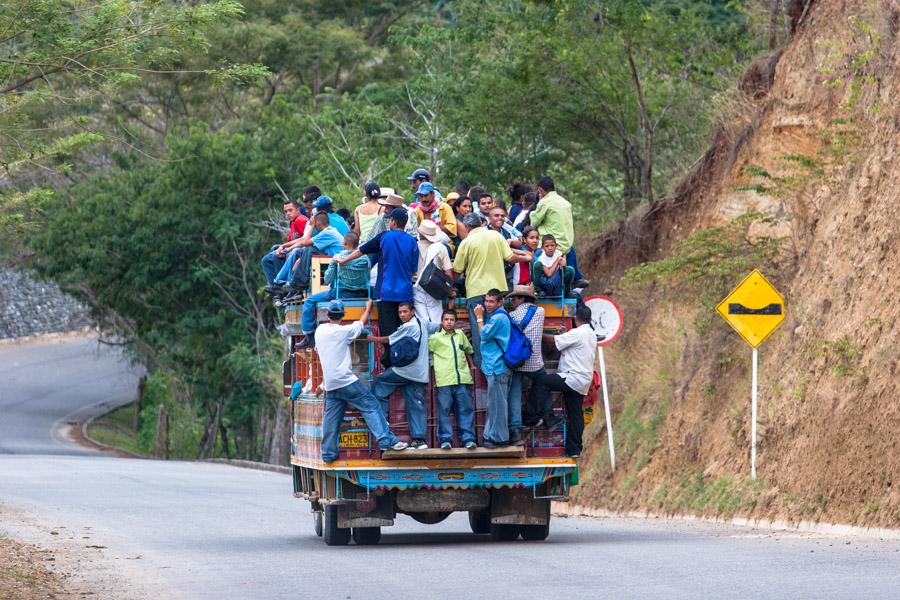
384	250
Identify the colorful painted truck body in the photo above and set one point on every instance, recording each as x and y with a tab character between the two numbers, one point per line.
507	491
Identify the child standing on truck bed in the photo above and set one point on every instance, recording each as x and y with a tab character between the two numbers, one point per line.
452	377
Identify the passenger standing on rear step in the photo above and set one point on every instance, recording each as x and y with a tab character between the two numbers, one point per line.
452	377
342	387
573	376
411	377
494	340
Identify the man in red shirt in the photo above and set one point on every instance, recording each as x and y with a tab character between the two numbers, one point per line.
274	260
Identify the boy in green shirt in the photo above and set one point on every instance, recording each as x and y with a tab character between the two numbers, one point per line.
452	376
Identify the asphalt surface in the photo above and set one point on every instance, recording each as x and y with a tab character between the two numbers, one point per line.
199	530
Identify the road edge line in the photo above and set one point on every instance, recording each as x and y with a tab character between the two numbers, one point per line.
250	464
829	529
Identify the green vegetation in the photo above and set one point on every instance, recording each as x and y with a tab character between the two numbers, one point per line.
842	356
704	266
699	494
145	145
116	429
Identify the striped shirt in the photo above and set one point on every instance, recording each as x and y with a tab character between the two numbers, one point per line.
352	276
532	332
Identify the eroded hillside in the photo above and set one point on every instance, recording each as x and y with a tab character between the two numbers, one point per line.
809	151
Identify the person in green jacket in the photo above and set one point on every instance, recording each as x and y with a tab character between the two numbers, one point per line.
452	377
553	216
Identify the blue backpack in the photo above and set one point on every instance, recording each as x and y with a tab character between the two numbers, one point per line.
519	348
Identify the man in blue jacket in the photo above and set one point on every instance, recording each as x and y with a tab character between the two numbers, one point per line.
494	340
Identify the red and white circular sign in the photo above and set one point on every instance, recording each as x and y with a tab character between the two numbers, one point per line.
606	318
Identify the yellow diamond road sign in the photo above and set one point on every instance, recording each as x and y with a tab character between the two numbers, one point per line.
754	308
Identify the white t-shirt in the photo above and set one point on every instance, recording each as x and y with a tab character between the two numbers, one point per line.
548	261
333	346
576	364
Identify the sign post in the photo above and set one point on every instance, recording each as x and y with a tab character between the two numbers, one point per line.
606	319
754	309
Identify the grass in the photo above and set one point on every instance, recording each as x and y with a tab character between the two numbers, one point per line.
115	429
697	494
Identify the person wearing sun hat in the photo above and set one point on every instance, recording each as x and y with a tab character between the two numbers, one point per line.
432	249
531	318
431	208
389	200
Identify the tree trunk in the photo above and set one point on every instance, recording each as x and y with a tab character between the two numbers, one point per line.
774	12
208	442
136	421
161	447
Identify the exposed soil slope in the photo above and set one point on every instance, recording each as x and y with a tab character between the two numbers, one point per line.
812	145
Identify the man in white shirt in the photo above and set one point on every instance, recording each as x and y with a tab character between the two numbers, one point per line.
342	387
410	378
573	376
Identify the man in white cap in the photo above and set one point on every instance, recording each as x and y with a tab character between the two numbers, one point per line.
432	249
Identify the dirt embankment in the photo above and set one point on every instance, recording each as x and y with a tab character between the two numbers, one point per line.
812	145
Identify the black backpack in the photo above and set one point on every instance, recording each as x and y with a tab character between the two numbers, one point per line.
406	351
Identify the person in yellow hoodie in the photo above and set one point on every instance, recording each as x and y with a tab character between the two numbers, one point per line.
452	377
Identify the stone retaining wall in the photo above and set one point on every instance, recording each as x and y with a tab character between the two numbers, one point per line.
32	307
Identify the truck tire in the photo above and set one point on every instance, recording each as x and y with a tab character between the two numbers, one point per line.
504	533
317	522
366	536
334	535
480	521
535	533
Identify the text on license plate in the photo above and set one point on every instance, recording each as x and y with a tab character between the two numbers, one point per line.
355	439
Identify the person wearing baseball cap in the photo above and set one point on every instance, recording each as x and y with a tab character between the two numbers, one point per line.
432	249
389	200
530	318
398	256
342	387
432	209
326	204
368	213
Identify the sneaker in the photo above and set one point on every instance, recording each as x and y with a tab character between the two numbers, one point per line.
471	445
273	289
581	283
551	421
398	446
445	445
494	445
576	455
418	445
307	342
515	438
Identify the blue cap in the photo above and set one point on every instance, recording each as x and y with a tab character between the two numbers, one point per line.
398	214
420	174
425	187
335	308
322	201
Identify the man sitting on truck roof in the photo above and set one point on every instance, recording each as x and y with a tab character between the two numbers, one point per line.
347	281
410	378
573	375
294	275
341	385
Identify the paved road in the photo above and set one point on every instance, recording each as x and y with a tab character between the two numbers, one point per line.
191	530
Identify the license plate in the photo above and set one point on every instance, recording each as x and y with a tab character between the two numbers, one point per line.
355	439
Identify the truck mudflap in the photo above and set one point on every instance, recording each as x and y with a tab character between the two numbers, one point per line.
448	479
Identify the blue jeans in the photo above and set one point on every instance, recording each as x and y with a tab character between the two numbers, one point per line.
413	395
358	397
476	337
572	261
553	285
308	315
271	264
516	400
457	398
296	267
496	426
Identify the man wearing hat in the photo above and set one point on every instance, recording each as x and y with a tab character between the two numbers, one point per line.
432	249
531	318
417	177
430	208
342	387
398	257
391	200
326	205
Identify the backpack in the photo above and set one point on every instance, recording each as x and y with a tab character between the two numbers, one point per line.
406	351
519	348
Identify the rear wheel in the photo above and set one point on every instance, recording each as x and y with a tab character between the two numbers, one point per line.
535	533
504	533
334	535
317	522
480	521
366	536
